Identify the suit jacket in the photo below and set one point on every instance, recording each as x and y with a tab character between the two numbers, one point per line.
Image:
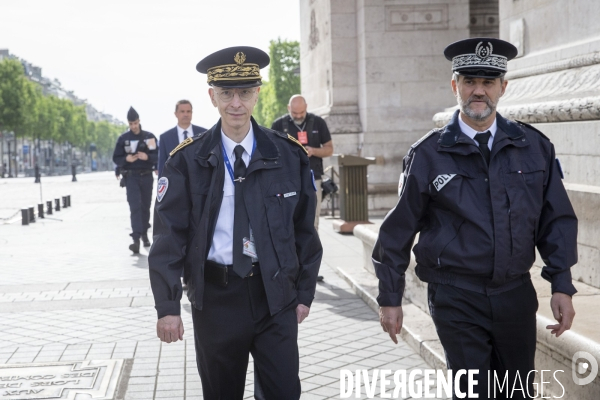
168	141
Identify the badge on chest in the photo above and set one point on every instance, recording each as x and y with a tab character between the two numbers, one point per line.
442	180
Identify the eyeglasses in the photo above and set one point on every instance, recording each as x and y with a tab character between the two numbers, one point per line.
244	94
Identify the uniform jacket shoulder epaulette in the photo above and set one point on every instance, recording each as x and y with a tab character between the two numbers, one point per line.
287	137
425	137
523	124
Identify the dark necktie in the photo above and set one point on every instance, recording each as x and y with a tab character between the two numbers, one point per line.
184	135
242	264
483	139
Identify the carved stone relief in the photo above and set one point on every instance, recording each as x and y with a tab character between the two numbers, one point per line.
416	17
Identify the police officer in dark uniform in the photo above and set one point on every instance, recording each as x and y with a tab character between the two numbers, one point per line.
135	155
235	211
483	192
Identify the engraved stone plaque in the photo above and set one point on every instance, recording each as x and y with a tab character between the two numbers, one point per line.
77	380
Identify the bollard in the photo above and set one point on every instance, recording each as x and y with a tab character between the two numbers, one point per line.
49	207
40	210
68	200
24	216
31	215
57	204
73	171
64	202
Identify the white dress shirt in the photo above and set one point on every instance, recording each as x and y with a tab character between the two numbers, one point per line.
190	132
470	132
221	249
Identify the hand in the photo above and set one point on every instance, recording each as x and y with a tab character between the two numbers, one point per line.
310	150
142	156
170	328
131	157
562	308
117	177
391	321
302	312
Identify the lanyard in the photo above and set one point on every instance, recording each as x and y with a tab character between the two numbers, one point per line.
300	129
228	164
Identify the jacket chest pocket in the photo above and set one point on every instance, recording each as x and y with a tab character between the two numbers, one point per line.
524	181
280	204
448	186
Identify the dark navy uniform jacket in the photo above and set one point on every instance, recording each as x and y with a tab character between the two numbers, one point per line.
288	247
129	141
478	225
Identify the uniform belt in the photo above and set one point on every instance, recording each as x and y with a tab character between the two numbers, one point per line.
472	283
139	171
219	273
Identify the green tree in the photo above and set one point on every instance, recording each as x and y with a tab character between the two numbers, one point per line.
283	82
16	93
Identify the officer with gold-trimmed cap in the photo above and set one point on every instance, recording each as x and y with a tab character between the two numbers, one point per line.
235	211
483	193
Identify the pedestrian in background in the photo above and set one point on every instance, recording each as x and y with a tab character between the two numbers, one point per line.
235	210
135	155
483	192
184	129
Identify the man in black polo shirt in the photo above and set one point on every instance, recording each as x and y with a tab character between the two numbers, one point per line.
310	130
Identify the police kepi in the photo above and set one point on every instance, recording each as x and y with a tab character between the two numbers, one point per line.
480	57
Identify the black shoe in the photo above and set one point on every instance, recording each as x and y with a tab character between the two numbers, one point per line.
320	278
145	240
135	246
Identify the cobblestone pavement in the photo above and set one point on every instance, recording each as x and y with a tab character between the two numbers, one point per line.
72	291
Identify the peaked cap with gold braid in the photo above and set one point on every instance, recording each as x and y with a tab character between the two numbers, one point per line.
234	67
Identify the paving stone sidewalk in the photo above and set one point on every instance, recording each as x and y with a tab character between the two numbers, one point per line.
72	291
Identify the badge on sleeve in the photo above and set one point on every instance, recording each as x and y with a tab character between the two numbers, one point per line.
161	189
312	175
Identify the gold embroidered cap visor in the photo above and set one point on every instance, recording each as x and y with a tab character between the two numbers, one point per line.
234	67
480	57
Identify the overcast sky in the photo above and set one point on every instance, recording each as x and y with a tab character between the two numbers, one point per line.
117	53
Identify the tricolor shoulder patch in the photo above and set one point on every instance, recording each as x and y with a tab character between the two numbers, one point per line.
161	188
181	146
293	139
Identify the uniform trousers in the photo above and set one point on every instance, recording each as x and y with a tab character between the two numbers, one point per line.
139	197
234	322
489	333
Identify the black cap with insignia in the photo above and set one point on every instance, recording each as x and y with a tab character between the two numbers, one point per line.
132	115
480	57
235	67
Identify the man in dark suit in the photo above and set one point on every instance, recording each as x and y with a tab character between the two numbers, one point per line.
184	129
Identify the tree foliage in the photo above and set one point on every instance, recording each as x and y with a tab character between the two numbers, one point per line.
25	111
283	82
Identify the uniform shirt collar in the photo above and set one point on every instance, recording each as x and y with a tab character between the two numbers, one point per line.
247	143
470	132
